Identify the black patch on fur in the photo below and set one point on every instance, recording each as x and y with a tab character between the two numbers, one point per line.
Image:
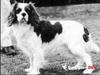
86	31
86	35
43	28
48	31
33	16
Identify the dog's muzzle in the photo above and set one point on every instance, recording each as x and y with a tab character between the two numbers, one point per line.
23	20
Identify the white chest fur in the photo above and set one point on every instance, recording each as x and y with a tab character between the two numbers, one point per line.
25	36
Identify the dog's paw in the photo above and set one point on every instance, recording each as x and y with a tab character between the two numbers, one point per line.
64	66
33	73
28	69
88	71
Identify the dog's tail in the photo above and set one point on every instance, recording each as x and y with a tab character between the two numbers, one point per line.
92	46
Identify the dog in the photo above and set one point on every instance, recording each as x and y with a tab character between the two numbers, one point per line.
34	36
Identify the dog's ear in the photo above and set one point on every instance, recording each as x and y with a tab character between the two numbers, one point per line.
12	18
13	2
34	14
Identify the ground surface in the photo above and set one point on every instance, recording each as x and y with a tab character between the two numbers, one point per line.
89	15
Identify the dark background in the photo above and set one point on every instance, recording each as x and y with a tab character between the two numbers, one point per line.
40	3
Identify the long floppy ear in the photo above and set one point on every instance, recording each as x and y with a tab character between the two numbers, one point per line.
34	14
12	16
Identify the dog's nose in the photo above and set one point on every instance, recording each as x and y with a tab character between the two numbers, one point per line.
23	14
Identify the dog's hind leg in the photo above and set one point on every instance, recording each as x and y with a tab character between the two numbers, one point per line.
88	60
76	52
80	51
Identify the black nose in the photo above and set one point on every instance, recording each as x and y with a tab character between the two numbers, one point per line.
23	14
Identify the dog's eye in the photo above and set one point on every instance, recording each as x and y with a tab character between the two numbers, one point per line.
18	11
27	9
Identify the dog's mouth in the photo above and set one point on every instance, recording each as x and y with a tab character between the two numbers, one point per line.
23	20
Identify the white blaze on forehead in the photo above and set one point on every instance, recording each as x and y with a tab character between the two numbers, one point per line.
22	5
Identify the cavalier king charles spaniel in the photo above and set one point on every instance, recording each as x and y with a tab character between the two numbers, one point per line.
34	36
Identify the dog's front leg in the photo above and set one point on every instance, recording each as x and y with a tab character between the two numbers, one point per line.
37	61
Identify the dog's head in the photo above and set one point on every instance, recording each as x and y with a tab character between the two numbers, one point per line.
23	13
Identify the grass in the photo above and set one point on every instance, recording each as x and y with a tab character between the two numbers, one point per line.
88	14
